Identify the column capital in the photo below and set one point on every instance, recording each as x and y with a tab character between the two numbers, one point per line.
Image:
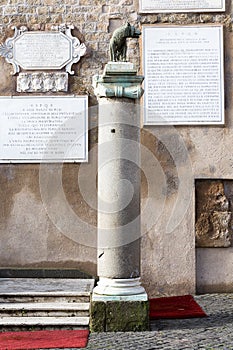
120	79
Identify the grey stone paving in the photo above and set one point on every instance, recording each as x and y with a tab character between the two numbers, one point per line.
210	333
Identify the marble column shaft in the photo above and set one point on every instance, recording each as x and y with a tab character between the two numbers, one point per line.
119	185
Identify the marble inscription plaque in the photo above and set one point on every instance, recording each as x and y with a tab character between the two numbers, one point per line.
42	50
184	80
160	6
38	129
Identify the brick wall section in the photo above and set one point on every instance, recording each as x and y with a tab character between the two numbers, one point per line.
94	21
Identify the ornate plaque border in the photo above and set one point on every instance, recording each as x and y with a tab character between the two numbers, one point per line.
76	49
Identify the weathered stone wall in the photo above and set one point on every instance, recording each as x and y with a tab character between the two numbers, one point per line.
28	236
213	215
214	219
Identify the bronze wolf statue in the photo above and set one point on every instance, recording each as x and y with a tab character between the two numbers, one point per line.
118	46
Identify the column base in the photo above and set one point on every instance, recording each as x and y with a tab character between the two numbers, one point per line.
119	313
119	287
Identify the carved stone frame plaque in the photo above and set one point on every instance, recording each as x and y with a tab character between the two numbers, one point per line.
38	50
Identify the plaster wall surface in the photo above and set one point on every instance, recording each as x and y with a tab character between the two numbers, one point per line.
172	158
214	270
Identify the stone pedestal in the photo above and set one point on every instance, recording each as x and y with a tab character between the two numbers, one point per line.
119	314
119	196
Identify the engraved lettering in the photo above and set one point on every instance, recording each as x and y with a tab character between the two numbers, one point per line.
183	75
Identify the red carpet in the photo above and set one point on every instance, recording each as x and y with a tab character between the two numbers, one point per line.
175	307
43	339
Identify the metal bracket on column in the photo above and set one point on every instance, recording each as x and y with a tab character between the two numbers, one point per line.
118	81
117	90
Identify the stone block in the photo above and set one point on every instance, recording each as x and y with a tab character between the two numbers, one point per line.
4	2
125	316
10	10
119	316
120	68
48	2
93	2
42	10
126	2
34	2
97	316
212	230
26	9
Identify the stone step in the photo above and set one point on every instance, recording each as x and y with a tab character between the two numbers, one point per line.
44	321
28	303
45	290
43	299
44	309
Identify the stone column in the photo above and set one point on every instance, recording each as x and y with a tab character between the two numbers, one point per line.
119	186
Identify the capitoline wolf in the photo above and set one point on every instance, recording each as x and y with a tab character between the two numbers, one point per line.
118	45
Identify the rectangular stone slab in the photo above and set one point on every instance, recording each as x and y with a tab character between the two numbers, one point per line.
41	129
43	287
184	75
160	6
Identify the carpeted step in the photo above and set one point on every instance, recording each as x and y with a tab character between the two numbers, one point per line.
44	309
44	339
